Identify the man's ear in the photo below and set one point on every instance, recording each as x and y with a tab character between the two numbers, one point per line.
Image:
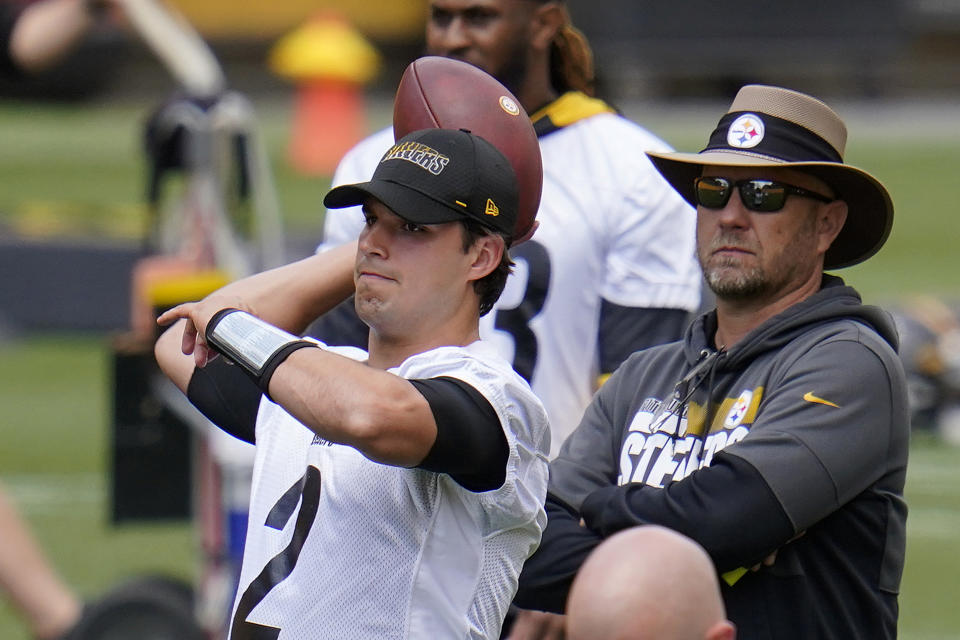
548	19
724	630
830	220
487	252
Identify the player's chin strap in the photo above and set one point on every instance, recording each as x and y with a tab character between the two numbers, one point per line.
257	346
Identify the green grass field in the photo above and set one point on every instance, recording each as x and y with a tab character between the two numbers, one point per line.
79	170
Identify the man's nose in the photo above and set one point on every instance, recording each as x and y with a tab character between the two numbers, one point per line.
734	213
451	38
373	240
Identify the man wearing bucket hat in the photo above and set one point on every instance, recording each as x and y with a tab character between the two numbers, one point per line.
396	491
775	434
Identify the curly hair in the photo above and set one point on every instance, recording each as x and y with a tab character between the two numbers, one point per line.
571	59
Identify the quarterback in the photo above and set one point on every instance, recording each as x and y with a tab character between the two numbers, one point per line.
396	491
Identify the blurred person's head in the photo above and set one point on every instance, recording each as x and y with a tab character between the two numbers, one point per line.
528	45
647	583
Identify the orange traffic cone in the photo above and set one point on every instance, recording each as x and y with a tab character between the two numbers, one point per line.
330	63
328	119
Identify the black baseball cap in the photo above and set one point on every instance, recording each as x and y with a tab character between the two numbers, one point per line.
440	175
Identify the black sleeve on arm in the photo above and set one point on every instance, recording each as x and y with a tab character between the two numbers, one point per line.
340	327
470	446
547	575
226	395
624	330
727	507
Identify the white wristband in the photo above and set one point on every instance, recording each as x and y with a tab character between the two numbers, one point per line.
257	346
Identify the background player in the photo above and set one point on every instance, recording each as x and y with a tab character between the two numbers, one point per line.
419	466
611	268
32	39
35	37
47	604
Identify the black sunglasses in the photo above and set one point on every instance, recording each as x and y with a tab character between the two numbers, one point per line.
757	194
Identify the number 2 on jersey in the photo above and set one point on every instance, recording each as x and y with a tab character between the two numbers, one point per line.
306	492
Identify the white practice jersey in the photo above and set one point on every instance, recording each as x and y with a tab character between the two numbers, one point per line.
611	228
342	547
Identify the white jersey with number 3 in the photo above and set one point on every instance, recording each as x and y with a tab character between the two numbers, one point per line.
342	547
611	228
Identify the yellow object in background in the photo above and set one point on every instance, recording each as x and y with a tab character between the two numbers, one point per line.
172	289
326	47
382	20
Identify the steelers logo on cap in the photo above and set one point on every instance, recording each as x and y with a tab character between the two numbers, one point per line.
745	132
509	106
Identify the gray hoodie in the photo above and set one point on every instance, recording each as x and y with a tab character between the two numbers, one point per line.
808	436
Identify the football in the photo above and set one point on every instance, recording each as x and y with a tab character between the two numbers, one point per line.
438	92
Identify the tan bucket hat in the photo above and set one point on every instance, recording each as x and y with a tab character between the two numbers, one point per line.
775	127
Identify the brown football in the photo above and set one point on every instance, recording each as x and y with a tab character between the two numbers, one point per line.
438	92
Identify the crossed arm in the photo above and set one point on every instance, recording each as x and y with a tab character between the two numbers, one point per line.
787	475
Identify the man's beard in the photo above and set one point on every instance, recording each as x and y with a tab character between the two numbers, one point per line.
726	276
513	72
729	279
739	285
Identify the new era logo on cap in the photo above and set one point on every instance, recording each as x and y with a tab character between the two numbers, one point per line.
440	175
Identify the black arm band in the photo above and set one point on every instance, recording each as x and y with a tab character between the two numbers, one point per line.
470	446
277	359
227	396
257	346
